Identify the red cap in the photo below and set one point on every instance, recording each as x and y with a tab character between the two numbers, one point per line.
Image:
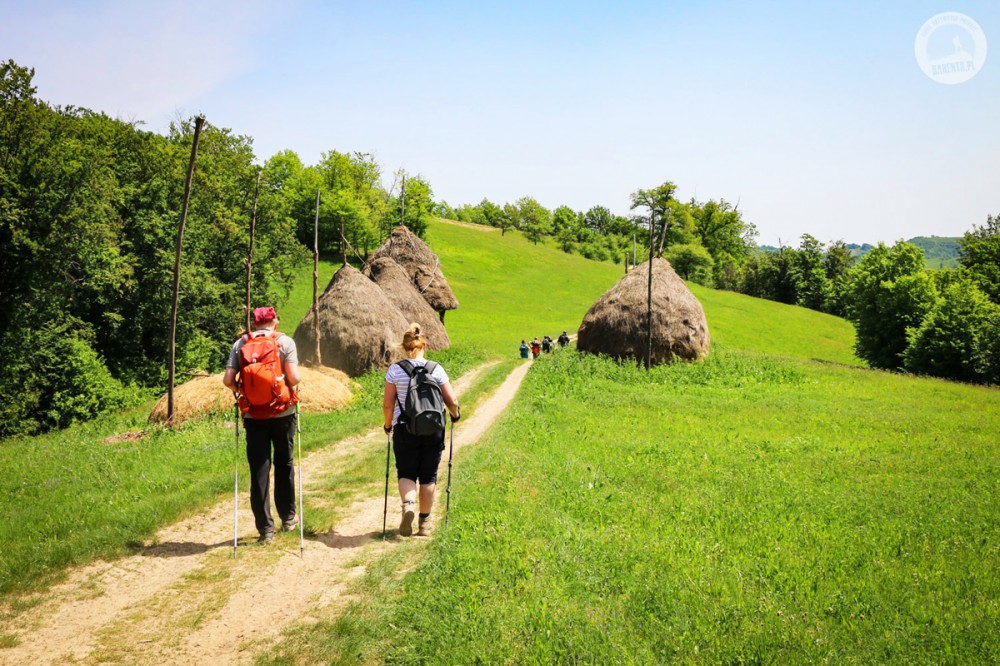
263	315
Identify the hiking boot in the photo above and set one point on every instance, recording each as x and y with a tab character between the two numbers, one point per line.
289	524
406	522
425	525
265	538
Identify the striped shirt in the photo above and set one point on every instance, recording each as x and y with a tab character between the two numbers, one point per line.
397	376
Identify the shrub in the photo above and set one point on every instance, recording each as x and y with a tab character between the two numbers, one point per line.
57	380
955	339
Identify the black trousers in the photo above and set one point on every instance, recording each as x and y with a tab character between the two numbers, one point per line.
262	436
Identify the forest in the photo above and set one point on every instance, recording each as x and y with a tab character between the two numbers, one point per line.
89	210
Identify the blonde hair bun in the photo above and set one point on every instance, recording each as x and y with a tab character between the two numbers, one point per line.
413	338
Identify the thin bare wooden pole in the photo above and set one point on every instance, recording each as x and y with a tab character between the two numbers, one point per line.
319	358
198	124
253	232
663	234
649	293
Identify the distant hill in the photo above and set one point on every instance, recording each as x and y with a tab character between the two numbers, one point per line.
939	251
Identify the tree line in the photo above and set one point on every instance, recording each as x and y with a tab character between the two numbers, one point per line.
943	323
89	212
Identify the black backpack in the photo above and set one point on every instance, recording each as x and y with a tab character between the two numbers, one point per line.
423	412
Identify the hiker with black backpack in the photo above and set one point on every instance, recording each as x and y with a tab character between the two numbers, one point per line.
413	410
263	372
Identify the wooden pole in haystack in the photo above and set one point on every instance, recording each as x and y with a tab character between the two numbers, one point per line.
319	358
253	233
199	122
649	293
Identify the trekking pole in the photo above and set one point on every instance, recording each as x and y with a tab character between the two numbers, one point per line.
385	506
451	457
302	518
236	482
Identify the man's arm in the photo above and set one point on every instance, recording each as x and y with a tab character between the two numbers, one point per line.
229	379
292	376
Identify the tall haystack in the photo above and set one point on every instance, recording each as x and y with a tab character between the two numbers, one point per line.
359	327
616	324
322	390
396	286
422	265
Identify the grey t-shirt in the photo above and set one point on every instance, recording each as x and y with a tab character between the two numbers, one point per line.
286	349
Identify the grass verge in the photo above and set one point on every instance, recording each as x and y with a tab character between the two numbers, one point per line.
749	509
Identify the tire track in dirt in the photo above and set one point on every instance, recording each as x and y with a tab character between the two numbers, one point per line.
186	600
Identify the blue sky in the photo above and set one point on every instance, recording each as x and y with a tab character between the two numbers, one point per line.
814	116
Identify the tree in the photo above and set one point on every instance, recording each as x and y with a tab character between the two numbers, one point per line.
657	202
953	340
489	213
598	219
511	218
813	288
838	262
536	220
769	275
563	218
979	252
888	293
726	235
692	262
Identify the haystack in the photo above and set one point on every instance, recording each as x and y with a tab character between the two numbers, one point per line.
359	327
396	286
616	324
422	265
321	390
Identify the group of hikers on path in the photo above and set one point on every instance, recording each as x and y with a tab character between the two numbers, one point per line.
547	344
263	374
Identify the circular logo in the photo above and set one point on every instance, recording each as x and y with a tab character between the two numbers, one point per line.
950	48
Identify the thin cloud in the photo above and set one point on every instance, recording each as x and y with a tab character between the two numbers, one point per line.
135	60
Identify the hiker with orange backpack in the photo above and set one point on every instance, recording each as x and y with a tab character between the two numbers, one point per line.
263	371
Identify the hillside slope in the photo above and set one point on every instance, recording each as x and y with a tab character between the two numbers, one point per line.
510	289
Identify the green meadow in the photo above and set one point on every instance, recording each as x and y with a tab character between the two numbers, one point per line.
776	503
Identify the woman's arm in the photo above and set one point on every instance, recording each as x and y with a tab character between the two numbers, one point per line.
388	405
450	400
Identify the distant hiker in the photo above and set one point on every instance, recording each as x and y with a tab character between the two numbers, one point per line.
417	455
536	347
524	349
262	371
563	339
546	344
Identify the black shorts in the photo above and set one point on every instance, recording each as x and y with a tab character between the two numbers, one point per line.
417	457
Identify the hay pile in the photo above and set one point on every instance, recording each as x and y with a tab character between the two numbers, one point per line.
321	390
359	327
422	265
616	324
396	286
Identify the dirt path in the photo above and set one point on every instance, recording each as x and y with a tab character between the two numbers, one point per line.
186	600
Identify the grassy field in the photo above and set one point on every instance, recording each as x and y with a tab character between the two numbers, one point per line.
775	504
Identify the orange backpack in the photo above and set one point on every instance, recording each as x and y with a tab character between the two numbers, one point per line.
263	391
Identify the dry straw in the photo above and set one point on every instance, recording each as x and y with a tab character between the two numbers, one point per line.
359	327
322	390
396	286
616	324
422	265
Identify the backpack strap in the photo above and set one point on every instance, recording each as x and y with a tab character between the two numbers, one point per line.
430	366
